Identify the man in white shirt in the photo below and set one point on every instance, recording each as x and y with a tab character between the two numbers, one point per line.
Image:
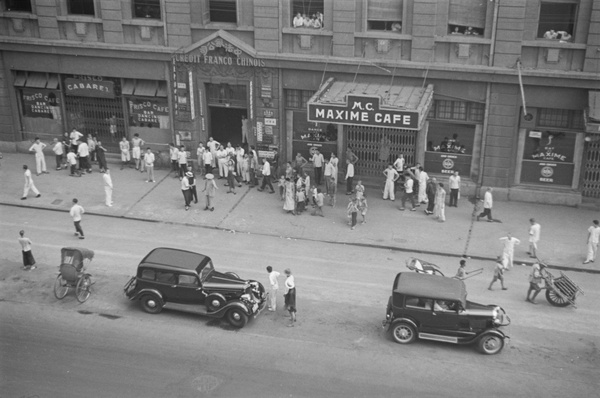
83	153
174	155
207	158
266	172
75	136
334	161
239	159
318	161
125	156
454	183
108	188
423	177
508	250
349	177
391	175
57	148
273	275
182	159
593	239
136	149
212	147
488	202
298	21
72	161
408	192
28	260
534	237
29	184
200	156
149	163
76	212
40	160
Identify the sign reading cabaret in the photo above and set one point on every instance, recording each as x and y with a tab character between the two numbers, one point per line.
365	111
89	88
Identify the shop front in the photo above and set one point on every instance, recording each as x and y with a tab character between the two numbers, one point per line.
378	121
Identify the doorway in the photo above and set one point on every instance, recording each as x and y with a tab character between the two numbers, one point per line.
226	124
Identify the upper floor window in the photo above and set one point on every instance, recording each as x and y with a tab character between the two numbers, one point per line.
223	10
307	14
81	7
467	17
18	5
384	15
557	21
297	99
146	9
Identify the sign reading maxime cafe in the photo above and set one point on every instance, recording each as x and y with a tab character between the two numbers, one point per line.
363	110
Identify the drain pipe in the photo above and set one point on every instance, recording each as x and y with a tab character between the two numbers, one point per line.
488	97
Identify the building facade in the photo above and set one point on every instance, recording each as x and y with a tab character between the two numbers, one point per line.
506	92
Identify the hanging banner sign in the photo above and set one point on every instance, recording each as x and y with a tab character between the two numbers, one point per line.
89	88
364	111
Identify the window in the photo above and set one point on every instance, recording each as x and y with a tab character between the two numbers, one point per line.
416	302
146	9
557	21
188	280
560	118
457	110
148	274
18	5
467	17
306	12
223	10
297	99
384	15
81	7
165	277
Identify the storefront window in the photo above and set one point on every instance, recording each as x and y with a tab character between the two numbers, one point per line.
548	157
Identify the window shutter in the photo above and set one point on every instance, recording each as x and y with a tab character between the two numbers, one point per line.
382	10
467	13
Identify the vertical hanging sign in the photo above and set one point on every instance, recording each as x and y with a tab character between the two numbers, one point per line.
191	87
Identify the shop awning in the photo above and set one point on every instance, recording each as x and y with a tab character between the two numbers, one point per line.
145	88
592	113
52	82
162	89
371	104
37	80
128	86
20	79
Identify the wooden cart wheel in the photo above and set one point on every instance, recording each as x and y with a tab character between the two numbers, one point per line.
555	299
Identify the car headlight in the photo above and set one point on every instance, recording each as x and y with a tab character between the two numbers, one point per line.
247	297
497	316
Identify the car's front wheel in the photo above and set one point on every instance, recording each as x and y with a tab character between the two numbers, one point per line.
404	333
151	303
237	318
490	344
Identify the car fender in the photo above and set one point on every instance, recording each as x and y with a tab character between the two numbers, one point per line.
221	312
149	291
407	320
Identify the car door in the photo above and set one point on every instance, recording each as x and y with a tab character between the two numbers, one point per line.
166	284
442	318
189	290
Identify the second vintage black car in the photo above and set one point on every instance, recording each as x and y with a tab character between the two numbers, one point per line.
187	281
431	307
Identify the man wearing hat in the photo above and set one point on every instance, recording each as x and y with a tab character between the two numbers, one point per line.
185	189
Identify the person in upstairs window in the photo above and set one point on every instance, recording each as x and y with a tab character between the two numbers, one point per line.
298	21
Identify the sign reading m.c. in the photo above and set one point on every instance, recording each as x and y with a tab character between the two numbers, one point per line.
362	110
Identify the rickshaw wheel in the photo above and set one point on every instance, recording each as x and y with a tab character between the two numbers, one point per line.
82	290
554	299
61	287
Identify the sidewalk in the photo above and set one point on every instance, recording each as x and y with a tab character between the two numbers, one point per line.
563	234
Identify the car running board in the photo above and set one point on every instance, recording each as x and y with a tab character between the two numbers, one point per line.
437	337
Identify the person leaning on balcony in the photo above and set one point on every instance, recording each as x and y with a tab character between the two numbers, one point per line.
298	21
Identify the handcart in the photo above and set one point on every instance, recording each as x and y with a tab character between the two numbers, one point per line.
560	291
72	273
423	267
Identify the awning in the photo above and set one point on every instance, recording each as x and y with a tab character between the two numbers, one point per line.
52	82
145	88
592	114
162	89
371	104
20	78
35	79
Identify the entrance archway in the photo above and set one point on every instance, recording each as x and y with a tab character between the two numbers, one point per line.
226	124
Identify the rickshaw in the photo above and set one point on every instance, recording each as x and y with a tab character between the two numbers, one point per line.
72	273
560	291
423	267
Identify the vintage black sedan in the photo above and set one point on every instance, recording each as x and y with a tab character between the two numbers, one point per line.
433	307
187	281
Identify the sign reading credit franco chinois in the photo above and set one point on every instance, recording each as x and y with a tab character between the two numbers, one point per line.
363	110
89	88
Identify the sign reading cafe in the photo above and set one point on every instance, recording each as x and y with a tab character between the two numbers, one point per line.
363	110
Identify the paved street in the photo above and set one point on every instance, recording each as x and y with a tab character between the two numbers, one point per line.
108	347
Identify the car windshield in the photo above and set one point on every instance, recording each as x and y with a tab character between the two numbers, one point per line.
208	268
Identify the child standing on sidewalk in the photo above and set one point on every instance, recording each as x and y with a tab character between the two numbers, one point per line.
352	211
318	198
362	206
